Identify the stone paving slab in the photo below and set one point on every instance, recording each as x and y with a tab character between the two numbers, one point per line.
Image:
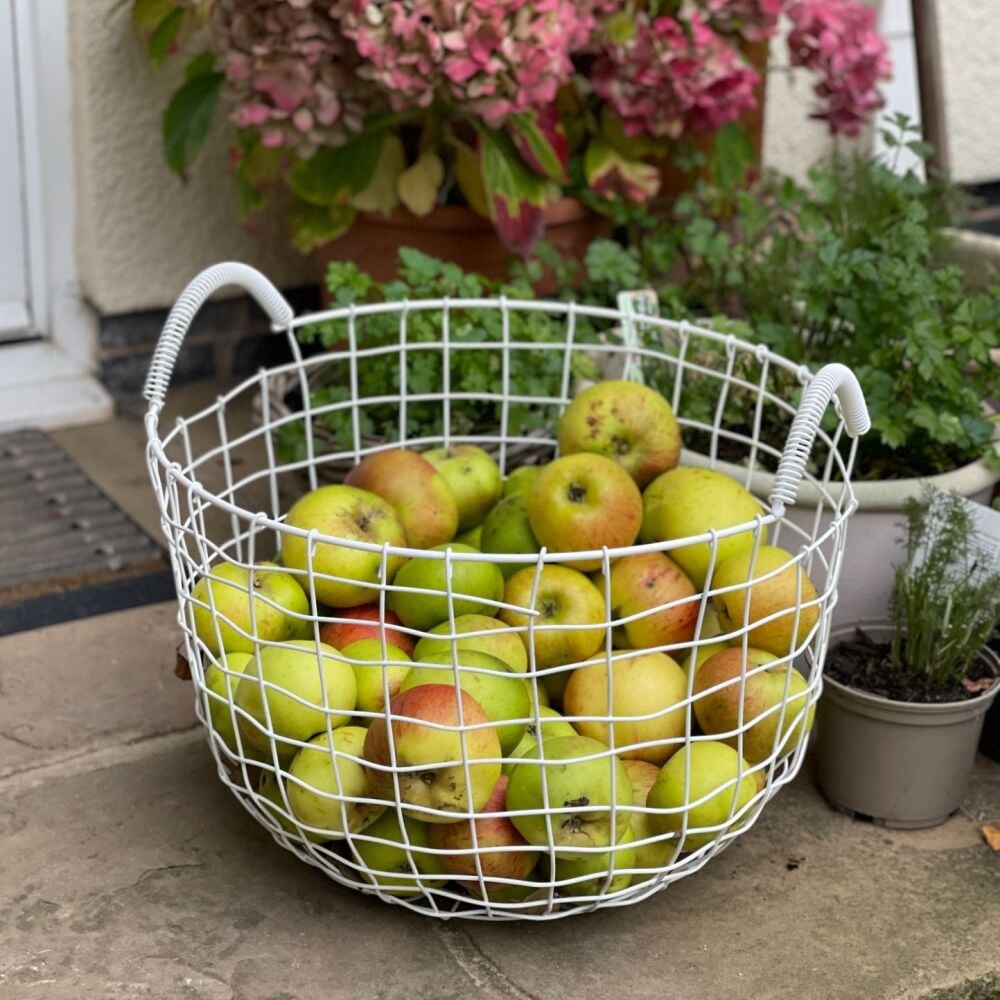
69	688
144	878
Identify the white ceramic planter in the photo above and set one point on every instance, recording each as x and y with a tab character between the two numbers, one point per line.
874	533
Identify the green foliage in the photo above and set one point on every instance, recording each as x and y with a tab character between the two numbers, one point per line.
946	595
851	270
188	119
536	374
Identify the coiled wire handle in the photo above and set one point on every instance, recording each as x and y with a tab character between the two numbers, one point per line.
831	380
191	300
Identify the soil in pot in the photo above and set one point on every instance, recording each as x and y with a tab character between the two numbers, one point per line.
866	665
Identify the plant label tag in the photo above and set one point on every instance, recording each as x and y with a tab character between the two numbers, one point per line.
632	305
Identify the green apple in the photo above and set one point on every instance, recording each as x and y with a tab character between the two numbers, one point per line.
433	746
419	494
473	537
651	585
647	695
474	479
579	795
480	633
473	585
274	792
615	862
564	597
629	423
690	501
344	576
374	671
289	687
277	599
324	788
222	684
659	850
496	844
507	530
503	698
720	788
584	502
553	726
521	479
394	861
778	586
718	711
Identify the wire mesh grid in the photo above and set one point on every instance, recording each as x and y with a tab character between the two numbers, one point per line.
429	797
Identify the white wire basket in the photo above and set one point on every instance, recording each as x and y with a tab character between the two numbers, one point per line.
356	805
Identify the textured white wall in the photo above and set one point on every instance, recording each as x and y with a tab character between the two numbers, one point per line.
141	232
970	54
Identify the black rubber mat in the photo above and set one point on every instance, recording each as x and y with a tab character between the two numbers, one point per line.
66	550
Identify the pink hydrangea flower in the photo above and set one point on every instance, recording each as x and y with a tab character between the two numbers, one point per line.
667	80
289	72
488	57
838	40
754	20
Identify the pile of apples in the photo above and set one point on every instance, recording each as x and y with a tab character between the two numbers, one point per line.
500	722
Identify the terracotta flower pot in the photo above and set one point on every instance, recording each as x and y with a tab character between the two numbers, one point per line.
456	233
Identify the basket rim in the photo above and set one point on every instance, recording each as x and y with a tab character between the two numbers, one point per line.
839	510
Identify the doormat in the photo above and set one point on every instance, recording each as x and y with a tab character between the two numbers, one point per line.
67	551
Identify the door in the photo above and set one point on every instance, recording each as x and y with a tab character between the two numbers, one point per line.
16	322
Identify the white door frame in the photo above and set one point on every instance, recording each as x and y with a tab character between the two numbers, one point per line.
48	382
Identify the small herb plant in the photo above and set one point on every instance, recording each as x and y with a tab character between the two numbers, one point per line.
532	374
946	595
851	270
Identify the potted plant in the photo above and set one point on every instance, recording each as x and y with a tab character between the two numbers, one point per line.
438	125
904	701
856	268
474	376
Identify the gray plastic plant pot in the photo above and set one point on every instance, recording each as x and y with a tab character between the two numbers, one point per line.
902	764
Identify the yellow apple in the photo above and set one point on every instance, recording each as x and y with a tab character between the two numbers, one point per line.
222	683
325	788
501	693
582	503
658	851
653	586
763	692
646	695
345	576
497	843
777	587
689	501
569	626
419	494
289	689
480	633
434	776
473	477
373	672
277	600
720	788
629	423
